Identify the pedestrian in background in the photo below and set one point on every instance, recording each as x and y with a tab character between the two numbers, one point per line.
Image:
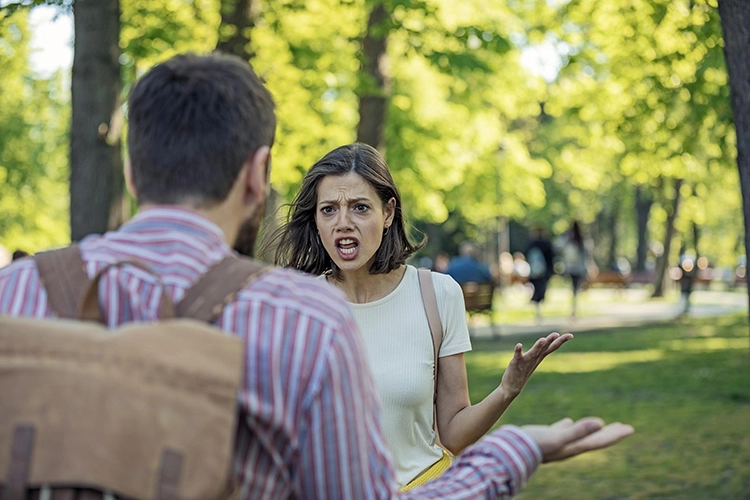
540	257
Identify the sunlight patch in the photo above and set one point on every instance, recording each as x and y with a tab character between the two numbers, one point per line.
706	344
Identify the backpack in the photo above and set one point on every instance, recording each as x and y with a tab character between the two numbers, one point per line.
145	411
537	263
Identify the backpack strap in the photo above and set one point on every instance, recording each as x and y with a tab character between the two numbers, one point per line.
63	274
88	308
218	286
429	300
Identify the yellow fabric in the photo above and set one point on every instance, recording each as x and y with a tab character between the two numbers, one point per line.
434	471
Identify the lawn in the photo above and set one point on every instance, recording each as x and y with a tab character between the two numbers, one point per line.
685	387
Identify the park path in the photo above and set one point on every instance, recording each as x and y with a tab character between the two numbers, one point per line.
634	309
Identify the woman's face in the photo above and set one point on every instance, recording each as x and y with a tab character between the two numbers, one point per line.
351	219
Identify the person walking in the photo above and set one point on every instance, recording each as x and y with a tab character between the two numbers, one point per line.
540	256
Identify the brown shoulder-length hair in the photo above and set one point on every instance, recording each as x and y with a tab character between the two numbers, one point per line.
298	242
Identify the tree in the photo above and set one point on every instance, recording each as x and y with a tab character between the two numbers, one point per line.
372	94
643	202
662	263
735	20
237	21
96	186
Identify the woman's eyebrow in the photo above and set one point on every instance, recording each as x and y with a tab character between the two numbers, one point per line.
350	201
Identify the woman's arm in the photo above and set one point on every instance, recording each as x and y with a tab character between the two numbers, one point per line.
459	423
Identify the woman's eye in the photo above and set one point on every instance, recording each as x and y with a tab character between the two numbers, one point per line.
361	208
327	210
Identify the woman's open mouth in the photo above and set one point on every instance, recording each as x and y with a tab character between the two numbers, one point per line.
347	248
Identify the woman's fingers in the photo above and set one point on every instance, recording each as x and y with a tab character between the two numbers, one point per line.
559	341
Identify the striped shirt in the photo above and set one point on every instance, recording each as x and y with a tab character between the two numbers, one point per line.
310	422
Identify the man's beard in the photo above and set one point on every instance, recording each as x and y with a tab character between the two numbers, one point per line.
247	235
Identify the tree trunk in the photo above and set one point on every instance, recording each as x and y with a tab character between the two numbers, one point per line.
662	263
696	239
643	204
237	21
612	250
372	91
96	184
735	21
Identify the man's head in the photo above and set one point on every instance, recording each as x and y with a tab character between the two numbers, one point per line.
468	249
200	132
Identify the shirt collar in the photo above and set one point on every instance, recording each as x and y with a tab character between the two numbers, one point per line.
172	218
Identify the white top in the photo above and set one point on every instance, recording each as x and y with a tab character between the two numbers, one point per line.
400	353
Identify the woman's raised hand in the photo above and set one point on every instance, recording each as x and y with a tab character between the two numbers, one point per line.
523	364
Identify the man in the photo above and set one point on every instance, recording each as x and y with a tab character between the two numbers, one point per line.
466	267
200	134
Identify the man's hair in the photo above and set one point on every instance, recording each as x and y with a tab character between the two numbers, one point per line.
193	122
299	245
468	249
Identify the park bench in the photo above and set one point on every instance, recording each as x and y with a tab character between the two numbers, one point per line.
608	278
478	300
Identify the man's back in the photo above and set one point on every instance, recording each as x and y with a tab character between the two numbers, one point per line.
292	326
464	269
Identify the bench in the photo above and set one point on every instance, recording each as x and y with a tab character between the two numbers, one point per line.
609	278
478	300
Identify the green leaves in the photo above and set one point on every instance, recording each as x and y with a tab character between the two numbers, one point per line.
472	130
34	117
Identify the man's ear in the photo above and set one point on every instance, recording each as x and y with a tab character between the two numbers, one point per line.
128	173
257	177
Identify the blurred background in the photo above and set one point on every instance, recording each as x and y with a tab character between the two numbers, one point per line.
495	117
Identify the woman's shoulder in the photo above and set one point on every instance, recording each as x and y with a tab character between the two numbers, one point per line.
444	285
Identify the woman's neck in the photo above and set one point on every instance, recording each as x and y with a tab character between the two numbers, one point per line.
363	287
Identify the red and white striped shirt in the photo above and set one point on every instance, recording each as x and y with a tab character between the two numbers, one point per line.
310	424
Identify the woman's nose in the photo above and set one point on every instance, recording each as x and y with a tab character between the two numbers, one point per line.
343	221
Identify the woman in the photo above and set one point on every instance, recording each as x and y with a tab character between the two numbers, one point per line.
346	225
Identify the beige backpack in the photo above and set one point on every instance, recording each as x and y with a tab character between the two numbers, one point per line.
147	411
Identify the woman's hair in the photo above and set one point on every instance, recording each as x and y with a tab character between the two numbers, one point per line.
299	244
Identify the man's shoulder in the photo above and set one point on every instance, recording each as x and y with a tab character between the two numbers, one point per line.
14	270
298	293
18	280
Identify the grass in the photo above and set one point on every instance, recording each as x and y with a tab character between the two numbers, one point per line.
685	387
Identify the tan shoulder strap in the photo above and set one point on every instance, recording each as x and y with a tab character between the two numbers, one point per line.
431	308
436	329
62	272
218	286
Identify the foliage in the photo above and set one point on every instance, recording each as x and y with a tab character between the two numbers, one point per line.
682	386
638	98
34	117
641	97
